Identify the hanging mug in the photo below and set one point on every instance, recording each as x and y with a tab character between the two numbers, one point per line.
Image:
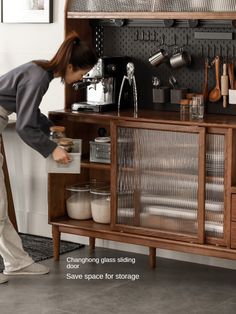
160	57
180	59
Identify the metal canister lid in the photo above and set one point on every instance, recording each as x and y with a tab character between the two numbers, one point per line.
80	187
65	141
101	191
102	139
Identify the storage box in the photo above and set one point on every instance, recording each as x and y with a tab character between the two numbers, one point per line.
100	152
161	95
72	167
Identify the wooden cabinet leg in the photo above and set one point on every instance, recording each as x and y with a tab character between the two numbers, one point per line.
56	236
91	243
152	257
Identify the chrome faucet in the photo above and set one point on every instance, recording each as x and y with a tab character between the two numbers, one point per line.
132	82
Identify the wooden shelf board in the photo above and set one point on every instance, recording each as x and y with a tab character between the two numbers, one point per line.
152	116
233	189
93	165
152	15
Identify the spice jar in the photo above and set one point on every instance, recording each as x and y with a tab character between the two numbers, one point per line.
78	203
184	109
100	205
57	132
66	144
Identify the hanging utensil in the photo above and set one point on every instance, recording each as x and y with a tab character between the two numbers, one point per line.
233	64
156	82
231	74
205	86
224	85
215	93
173	81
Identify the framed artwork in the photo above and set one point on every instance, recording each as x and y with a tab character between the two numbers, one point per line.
27	11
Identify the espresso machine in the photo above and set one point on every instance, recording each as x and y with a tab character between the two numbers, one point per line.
102	85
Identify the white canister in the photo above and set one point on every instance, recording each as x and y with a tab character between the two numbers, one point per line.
78	204
101	205
232	96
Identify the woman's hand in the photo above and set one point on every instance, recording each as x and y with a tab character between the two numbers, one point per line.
60	155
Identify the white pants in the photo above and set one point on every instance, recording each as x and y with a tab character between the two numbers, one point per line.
11	250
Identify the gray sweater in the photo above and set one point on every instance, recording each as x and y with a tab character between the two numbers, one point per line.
21	91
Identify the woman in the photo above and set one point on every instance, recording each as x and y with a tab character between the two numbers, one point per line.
21	91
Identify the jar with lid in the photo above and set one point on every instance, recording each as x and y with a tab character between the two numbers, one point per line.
57	132
66	144
78	203
100	205
197	107
184	109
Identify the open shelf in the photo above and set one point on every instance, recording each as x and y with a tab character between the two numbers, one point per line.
89	228
82	224
93	165
233	189
152	15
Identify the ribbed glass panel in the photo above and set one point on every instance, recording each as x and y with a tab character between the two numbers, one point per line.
152	6
194	5
162	180
126	180
110	6
214	210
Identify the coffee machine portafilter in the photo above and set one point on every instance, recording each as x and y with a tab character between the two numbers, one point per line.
102	84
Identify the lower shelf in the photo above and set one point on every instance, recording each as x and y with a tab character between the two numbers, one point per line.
89	228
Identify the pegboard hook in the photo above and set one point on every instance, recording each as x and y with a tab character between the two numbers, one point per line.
186	41
202	50
136	35
162	43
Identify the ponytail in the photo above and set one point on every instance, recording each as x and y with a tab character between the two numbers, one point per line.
72	51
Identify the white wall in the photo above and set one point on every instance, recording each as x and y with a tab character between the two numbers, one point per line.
21	43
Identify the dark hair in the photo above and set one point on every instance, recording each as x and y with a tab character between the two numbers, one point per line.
72	51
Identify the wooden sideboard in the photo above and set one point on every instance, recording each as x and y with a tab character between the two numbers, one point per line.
198	171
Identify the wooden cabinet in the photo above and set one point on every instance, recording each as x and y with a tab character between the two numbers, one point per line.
171	182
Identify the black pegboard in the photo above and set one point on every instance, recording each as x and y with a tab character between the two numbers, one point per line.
142	42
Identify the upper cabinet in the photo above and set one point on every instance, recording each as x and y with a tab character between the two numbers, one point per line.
164	9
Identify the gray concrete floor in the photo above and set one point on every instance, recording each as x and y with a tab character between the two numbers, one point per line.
172	288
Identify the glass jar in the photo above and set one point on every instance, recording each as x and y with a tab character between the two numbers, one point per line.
57	132
184	109
66	143
197	107
100	205
78	203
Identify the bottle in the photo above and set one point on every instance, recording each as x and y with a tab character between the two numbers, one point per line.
57	132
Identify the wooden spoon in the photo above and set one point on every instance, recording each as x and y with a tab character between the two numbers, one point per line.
215	93
234	81
205	86
231	74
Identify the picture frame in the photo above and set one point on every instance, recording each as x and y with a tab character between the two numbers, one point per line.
26	11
